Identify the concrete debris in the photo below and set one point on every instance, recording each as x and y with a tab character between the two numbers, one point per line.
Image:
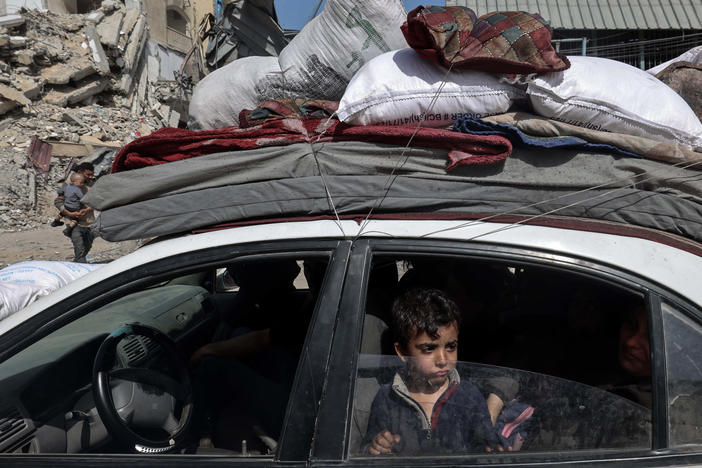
109	29
62	73
11	21
80	83
64	59
24	57
17	41
72	118
6	106
12	94
30	88
98	53
136	38
130	19
109	5
94	17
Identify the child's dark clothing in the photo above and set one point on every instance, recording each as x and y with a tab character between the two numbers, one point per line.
460	421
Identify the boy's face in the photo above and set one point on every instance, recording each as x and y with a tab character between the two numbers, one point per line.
430	360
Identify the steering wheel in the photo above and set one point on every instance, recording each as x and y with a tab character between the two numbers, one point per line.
142	397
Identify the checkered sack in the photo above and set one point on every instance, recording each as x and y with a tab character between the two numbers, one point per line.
499	42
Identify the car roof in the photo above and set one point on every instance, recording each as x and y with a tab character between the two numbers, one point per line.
672	267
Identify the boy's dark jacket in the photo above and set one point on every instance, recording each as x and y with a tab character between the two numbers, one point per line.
460	422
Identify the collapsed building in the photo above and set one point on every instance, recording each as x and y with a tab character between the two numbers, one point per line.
75	80
69	60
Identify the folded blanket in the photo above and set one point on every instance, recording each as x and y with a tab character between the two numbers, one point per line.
521	139
498	42
649	149
173	144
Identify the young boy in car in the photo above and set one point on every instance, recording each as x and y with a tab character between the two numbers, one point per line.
428	408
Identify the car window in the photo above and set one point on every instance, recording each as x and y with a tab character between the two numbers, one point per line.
544	413
551	357
176	366
683	346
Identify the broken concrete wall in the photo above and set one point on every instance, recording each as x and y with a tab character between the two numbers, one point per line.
169	61
69	60
177	16
155	11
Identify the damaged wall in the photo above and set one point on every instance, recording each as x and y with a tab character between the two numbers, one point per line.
173	25
169	61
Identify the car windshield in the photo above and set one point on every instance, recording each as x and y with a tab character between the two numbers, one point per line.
155	306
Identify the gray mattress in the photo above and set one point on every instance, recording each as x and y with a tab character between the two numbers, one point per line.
290	181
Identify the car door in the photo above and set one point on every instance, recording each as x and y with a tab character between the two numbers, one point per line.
572	336
47	398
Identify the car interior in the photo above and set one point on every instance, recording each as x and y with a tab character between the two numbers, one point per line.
121	378
553	335
159	368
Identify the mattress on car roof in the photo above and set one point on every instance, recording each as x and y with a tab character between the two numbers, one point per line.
306	197
303	179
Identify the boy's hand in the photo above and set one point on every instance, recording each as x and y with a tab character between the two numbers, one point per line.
497	448
383	442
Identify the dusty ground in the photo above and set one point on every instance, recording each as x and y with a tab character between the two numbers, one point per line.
50	244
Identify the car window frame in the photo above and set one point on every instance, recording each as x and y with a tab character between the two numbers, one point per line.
687	310
336	411
294	445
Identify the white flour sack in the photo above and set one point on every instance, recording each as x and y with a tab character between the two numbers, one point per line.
242	84
23	283
322	58
398	87
608	95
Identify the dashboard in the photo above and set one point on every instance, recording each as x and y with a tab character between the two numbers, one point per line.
46	394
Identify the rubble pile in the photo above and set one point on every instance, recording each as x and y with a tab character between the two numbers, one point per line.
26	196
76	81
70	60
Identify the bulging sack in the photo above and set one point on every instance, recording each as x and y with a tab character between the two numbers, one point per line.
242	84
23	283
604	94
322	58
398	88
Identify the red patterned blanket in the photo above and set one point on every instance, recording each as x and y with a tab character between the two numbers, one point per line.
173	144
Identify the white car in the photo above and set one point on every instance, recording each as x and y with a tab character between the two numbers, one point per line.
588	310
542	302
